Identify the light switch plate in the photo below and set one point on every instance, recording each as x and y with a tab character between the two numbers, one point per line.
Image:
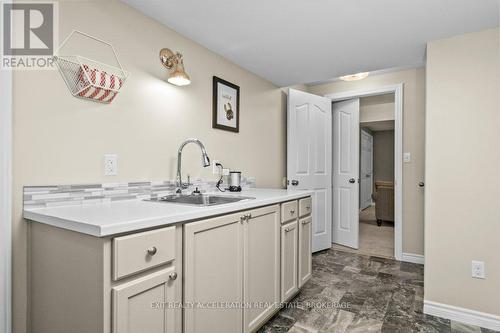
110	165
478	270
407	157
215	167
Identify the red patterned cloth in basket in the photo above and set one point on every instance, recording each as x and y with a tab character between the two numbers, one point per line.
102	87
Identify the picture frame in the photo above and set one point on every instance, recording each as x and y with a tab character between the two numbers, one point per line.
226	105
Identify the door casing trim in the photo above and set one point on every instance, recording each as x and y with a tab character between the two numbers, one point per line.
5	200
397	89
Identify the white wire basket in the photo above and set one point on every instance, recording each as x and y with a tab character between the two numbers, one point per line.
90	79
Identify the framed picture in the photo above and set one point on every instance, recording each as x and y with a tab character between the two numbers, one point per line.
226	105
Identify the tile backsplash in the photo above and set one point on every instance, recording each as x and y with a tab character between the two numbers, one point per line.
80	194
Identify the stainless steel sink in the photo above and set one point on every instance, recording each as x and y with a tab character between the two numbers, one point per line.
201	199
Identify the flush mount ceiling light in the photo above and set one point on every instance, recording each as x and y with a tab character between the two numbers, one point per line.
173	61
355	77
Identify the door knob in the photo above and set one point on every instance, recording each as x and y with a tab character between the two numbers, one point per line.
421	184
352	180
173	276
295	182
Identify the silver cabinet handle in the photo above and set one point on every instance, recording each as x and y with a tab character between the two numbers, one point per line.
152	250
245	218
173	276
308	207
352	180
421	184
292	211
295	182
306	222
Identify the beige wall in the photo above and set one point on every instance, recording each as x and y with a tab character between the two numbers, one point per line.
413	141
383	155
376	108
60	139
462	218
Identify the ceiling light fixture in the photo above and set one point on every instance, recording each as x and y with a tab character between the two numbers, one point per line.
355	77
173	61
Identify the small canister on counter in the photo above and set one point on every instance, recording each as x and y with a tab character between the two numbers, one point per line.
235	181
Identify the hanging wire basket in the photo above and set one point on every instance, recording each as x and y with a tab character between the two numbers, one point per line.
90	79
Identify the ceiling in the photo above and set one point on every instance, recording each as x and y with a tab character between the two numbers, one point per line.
302	41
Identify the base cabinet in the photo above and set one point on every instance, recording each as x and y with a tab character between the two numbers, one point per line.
145	304
232	261
230	273
213	275
289	261
261	272
305	250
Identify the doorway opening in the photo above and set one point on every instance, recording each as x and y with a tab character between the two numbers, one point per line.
376	204
367	171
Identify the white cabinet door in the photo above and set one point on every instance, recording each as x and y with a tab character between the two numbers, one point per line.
305	256
142	304
346	173
289	261
309	158
261	265
213	274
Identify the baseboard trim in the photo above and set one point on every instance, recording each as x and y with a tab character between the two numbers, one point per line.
466	316
412	257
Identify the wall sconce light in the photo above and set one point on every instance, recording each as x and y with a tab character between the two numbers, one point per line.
173	61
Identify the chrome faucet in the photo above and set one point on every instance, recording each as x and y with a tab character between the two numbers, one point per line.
204	160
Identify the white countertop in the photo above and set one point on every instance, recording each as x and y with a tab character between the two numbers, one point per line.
117	217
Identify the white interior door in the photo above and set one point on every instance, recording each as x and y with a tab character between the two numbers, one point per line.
309	158
346	173
366	170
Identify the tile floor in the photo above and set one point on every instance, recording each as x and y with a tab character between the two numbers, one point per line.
356	293
373	240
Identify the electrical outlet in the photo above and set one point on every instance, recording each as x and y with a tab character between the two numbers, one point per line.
110	165
478	271
407	157
215	167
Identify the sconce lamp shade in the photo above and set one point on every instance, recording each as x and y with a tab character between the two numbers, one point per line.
173	61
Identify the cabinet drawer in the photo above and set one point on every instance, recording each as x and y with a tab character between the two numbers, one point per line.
138	252
305	206
289	211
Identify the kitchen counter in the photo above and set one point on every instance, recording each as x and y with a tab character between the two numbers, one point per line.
106	219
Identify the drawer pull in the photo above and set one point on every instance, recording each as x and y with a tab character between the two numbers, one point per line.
173	276
306	222
152	250
308	207
292	211
288	229
245	217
